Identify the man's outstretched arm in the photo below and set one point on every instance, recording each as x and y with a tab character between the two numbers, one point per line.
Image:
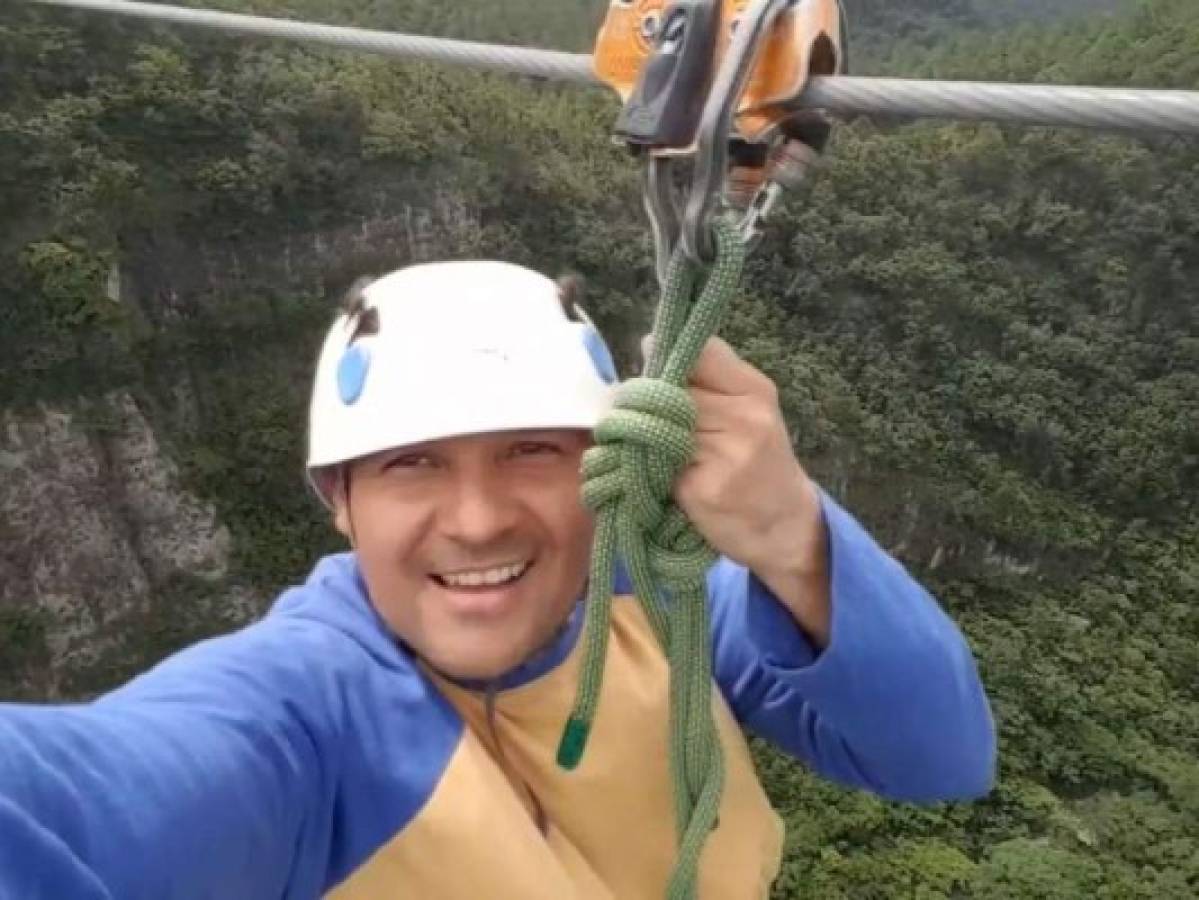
194	780
892	703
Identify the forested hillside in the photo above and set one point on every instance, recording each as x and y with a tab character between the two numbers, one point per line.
986	340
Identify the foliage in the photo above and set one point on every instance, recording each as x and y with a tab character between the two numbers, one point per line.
985	340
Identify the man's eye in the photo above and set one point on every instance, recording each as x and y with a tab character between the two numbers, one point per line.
409	461
536	448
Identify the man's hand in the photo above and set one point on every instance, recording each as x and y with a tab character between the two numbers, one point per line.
747	493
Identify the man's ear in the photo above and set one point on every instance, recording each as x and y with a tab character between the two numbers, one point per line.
332	483
341	517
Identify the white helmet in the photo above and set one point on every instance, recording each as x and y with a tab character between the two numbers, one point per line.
454	348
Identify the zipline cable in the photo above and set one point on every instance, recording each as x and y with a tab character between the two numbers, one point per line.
1029	104
550	64
1115	109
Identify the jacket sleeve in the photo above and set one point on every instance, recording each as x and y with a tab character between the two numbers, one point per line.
194	780
893	704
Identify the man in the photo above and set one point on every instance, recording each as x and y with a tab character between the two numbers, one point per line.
389	729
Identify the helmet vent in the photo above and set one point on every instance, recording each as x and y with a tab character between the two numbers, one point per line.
570	293
365	319
366	323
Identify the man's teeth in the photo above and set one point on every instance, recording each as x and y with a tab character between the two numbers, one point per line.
486	577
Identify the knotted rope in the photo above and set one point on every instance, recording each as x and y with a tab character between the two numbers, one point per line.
641	447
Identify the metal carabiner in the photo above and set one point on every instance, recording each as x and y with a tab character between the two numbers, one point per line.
716	127
658	195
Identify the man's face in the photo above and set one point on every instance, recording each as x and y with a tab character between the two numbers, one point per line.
474	549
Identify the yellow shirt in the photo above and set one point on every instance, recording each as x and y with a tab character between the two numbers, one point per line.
506	823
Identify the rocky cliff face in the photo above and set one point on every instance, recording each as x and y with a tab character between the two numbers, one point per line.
99	540
107	560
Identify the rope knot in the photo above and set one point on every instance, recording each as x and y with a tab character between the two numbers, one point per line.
642	445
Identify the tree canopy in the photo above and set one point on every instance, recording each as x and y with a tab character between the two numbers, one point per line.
986	341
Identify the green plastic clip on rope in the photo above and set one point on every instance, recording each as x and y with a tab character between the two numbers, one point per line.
641	447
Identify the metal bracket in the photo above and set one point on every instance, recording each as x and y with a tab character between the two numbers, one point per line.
699	77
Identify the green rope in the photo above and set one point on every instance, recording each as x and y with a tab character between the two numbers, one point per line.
641	447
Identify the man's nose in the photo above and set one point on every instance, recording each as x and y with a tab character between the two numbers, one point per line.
480	510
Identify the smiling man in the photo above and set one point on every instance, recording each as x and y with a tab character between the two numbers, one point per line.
390	727
474	548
